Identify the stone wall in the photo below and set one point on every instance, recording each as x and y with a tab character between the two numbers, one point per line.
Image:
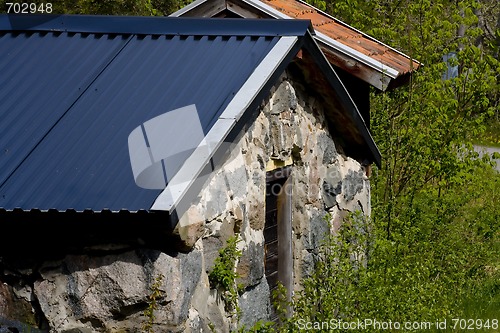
108	291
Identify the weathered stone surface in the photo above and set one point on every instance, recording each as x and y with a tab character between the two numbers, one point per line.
258	136
300	223
217	198
332	186
190	228
15	311
211	246
237	179
318	230
90	292
364	199
78	330
227	228
307	264
326	147
191	270
277	140
250	266
201	295
284	98
352	184
196	323
255	304
257	214
213	316
338	217
9	326
313	183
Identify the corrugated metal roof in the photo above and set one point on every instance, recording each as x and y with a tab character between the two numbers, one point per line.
345	47
69	99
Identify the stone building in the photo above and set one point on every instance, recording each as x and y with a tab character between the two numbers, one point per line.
133	149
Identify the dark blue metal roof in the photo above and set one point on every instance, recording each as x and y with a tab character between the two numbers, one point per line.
73	88
189	26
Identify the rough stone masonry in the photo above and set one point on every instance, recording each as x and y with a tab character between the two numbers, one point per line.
107	290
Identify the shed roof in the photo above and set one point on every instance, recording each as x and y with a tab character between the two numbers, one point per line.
345	47
74	90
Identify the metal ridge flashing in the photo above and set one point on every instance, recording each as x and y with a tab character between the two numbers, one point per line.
195	166
142	25
254	3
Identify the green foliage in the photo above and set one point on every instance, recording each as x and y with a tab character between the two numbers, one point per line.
280	302
110	7
338	287
443	264
483	300
113	7
223	275
261	326
433	244
149	312
491	135
320	4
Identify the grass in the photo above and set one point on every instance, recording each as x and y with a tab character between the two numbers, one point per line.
484	299
484	303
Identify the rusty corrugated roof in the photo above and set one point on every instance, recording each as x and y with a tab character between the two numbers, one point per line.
340	32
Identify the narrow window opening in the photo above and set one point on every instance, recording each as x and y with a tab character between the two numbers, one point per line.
278	234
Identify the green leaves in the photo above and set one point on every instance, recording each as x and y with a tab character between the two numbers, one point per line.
155	293
223	275
435	222
116	7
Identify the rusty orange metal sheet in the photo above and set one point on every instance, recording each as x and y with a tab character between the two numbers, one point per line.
346	35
